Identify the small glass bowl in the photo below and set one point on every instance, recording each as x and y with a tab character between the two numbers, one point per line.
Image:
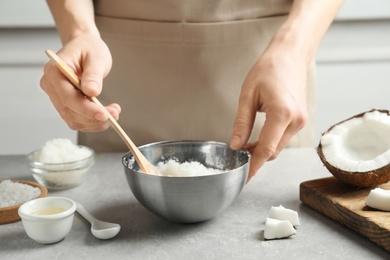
60	176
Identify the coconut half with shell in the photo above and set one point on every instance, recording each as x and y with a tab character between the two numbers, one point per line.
357	150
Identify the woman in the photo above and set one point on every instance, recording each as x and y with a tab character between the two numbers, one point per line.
179	68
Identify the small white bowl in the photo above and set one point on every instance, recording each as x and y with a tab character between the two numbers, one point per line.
59	176
47	220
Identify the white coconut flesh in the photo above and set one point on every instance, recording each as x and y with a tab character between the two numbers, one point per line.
379	198
281	213
360	144
280	223
275	229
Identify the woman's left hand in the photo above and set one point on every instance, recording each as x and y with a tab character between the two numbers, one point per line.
276	86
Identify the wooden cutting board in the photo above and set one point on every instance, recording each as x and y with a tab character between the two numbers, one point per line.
346	205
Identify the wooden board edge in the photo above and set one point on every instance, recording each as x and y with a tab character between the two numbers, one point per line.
317	201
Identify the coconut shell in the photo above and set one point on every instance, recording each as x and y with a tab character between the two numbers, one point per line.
357	179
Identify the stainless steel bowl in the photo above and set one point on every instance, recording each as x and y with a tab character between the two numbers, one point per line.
189	199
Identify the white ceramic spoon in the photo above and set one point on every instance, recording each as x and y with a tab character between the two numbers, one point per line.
100	229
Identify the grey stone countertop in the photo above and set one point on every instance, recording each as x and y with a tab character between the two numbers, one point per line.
237	233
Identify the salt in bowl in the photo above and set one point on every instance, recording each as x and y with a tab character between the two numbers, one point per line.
10	214
59	176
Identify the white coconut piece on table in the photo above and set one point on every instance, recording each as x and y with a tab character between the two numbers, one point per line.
357	150
282	213
276	229
379	198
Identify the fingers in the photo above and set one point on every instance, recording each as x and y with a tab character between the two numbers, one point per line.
278	129
243	123
96	125
79	112
92	77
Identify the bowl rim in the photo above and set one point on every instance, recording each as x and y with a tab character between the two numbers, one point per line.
188	141
13	210
61	215
126	155
34	163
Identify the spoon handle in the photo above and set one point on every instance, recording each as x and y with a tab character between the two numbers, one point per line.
80	209
143	163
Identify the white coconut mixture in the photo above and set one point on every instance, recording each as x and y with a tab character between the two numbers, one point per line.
62	150
172	168
15	193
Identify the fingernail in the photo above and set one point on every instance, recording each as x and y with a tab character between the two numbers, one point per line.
235	142
89	85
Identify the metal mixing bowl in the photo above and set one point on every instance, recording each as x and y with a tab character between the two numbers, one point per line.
189	199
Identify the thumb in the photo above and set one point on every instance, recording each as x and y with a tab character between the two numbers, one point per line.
92	78
243	124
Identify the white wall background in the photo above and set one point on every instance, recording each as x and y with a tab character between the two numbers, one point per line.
353	70
354	62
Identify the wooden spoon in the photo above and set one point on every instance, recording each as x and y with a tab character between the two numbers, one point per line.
143	163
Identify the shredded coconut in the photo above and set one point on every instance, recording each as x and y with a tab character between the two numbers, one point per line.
15	193
62	150
173	168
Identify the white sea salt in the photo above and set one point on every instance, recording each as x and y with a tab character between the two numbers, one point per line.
15	193
65	163
172	168
62	150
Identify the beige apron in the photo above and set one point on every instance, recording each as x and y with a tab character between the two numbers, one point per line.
178	67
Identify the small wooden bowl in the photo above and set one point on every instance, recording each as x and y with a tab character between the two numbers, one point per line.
10	214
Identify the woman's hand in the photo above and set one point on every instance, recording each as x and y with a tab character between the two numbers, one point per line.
276	85
91	60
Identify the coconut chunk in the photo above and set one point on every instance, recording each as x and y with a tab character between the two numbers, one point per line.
276	229
281	213
379	198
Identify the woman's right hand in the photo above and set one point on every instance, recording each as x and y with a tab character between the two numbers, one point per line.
91	60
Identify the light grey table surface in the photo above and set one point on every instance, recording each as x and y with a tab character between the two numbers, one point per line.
235	234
